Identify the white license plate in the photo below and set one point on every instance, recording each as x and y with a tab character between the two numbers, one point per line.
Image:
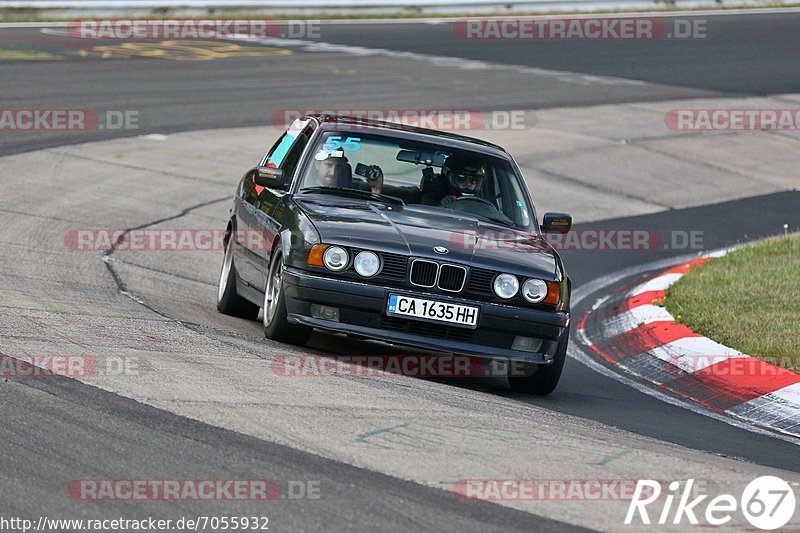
430	310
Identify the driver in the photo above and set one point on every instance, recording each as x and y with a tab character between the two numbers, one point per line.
462	178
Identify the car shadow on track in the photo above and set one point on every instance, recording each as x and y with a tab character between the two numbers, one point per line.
348	356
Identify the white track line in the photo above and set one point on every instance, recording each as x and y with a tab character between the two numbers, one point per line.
780	408
691	354
633	318
659	283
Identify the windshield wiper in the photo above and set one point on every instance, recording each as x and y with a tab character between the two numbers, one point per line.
502	221
505	221
357	193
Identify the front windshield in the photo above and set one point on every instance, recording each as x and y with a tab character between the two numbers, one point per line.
419	174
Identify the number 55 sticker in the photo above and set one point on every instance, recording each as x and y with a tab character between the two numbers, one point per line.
351	144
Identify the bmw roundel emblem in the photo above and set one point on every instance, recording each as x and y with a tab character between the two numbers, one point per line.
440	250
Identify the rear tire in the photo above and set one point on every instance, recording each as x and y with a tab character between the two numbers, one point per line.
228	300
541	380
276	327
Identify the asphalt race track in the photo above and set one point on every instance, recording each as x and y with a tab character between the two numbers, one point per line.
743	55
203	411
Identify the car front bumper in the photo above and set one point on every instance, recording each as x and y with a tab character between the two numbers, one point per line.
362	311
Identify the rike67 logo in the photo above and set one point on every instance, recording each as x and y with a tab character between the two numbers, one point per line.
767	502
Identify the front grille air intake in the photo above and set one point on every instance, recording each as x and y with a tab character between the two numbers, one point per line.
452	277
423	273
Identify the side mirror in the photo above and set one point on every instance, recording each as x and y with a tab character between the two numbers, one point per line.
272	178
556	223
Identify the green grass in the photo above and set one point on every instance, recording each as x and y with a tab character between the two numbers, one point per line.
45	15
748	300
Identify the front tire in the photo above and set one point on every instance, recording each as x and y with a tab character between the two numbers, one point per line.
541	380
276	327
228	300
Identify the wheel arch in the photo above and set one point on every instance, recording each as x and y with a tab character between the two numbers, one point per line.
229	229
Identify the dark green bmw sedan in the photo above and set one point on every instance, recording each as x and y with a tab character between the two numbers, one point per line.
399	234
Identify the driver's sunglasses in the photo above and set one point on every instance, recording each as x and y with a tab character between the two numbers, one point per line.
464	179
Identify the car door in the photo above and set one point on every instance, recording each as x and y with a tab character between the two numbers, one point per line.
247	236
258	222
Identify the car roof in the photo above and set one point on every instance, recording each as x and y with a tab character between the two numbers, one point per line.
455	140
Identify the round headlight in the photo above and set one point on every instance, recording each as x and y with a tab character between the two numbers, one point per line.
335	258
506	286
534	290
367	264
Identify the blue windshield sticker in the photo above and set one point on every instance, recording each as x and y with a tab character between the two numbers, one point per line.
334	142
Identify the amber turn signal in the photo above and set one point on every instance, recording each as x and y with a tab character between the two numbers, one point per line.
315	255
553	293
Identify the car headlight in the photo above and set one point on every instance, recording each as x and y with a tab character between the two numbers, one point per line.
534	290
505	286
335	258
367	264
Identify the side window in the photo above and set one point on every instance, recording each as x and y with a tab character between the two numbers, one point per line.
289	163
286	152
273	158
279	151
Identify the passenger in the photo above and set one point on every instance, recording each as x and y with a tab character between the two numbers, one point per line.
331	171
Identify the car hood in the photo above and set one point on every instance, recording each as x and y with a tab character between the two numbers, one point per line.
416	230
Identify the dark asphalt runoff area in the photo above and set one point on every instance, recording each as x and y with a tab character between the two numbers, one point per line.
87	430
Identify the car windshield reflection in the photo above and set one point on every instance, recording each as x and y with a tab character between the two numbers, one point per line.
386	169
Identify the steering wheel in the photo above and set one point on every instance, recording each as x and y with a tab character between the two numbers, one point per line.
476	199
